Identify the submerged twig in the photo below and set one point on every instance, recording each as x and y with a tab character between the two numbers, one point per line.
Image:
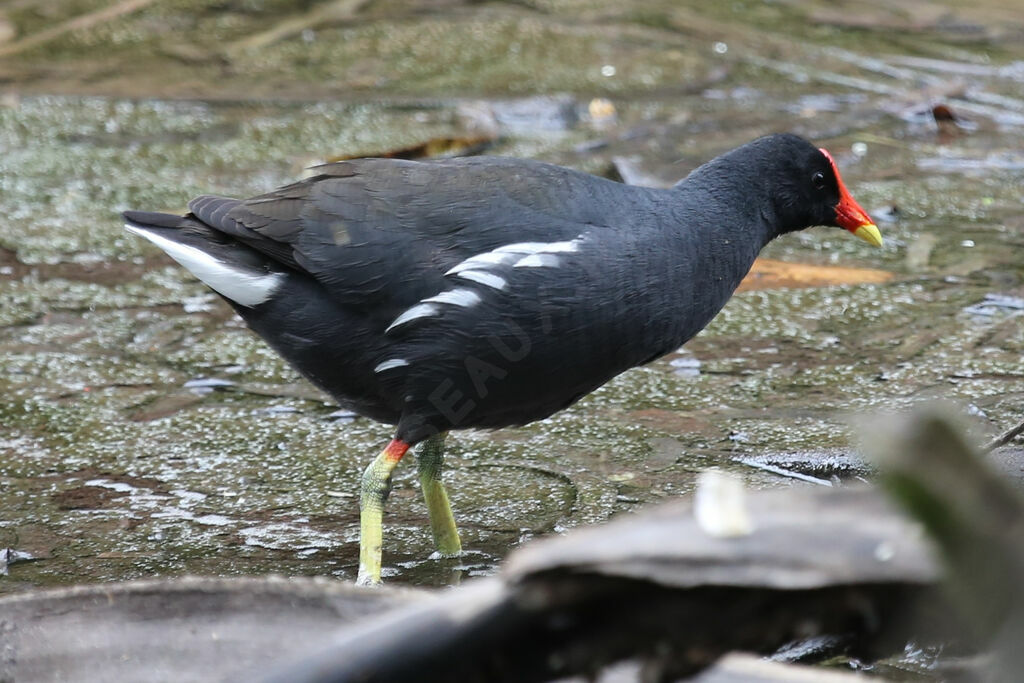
750	462
1004	438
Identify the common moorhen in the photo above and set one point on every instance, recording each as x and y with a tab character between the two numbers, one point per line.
489	292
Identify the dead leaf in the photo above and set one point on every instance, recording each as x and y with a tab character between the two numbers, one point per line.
772	274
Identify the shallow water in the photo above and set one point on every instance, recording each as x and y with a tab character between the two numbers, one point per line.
115	463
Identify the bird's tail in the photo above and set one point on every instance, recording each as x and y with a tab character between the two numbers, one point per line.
235	271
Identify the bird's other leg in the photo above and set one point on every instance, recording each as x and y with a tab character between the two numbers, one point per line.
430	456
375	489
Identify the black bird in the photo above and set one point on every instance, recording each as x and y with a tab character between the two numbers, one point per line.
489	292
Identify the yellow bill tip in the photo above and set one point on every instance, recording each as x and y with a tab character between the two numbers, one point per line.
869	233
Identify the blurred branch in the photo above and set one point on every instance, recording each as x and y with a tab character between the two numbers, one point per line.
83	21
972	512
329	12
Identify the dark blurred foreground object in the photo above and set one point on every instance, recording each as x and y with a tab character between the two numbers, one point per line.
668	590
659	588
676	590
975	516
655	596
186	629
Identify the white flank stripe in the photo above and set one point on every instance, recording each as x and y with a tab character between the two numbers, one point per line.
414	313
510	252
391	364
489	258
538	261
241	286
455	297
488	279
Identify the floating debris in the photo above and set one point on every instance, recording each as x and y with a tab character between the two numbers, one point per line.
213	520
958	163
774	274
276	410
887	214
996	305
9	556
199	304
686	366
342	415
546	113
719	505
206	385
825	465
601	113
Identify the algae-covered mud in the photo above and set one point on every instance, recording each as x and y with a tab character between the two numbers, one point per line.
144	431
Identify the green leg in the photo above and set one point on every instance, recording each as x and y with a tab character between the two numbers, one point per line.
430	456
375	490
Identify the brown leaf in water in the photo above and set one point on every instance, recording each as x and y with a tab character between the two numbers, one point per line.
772	274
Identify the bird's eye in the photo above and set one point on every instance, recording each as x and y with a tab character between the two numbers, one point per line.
819	180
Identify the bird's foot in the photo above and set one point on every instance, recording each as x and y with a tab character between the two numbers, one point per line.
367	578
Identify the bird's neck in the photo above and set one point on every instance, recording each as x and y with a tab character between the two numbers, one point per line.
719	234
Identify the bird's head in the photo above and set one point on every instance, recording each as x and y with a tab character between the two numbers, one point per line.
809	191
846	213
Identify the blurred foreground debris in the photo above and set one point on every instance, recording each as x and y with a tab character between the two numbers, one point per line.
975	516
654	592
656	587
185	629
808	573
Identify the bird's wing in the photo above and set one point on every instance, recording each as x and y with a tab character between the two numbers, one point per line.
380	231
530	327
